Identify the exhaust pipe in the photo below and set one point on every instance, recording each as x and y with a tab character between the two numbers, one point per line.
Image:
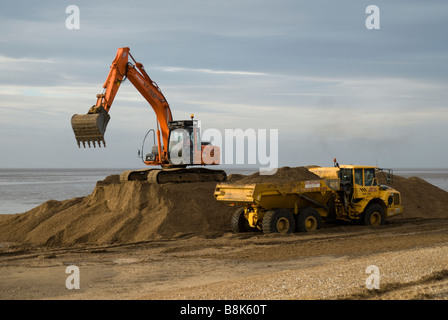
90	127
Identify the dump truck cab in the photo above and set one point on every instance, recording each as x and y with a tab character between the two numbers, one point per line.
361	191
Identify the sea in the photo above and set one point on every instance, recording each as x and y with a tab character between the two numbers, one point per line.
24	189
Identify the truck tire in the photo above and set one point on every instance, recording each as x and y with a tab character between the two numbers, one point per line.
373	215
239	222
308	219
278	221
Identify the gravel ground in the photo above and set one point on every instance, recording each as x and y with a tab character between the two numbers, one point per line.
411	256
407	274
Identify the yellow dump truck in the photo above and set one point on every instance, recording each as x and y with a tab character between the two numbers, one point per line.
346	192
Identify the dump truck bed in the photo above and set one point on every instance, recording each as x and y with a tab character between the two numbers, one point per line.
275	195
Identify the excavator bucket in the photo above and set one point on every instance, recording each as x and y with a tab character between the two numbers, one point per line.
90	128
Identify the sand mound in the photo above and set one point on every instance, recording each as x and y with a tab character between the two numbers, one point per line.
421	199
283	174
138	211
121	213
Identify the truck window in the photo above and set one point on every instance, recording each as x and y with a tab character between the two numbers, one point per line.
346	175
369	174
358	177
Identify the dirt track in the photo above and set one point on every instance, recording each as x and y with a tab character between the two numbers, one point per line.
411	254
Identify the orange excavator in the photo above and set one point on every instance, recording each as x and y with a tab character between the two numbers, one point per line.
178	142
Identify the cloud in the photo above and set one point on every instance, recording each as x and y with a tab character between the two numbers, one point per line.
10	60
211	71
309	68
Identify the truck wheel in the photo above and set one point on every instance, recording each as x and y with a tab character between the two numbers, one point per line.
308	219
373	215
239	222
278	221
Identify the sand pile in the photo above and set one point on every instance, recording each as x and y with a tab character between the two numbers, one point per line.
138	211
421	199
283	174
121	213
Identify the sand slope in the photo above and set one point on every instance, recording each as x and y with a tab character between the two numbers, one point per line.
421	199
120	213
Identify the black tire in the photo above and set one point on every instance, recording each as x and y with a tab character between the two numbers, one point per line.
308	219
239	222
278	221
373	215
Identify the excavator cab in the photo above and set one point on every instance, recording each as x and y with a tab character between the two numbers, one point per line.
184	142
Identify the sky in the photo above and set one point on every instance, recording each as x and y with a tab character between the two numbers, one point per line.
312	70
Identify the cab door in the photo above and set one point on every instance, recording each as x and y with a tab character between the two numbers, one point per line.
365	184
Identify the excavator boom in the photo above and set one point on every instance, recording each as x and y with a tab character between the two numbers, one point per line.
91	127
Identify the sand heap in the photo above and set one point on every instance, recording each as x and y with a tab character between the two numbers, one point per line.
284	174
138	211
421	199
121	213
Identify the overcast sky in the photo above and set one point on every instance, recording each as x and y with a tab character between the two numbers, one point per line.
310	69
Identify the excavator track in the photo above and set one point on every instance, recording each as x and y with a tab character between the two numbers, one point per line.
174	175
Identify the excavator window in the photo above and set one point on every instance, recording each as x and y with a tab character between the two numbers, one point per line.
175	138
179	147
197	140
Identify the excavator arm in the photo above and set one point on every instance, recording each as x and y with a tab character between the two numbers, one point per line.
91	127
